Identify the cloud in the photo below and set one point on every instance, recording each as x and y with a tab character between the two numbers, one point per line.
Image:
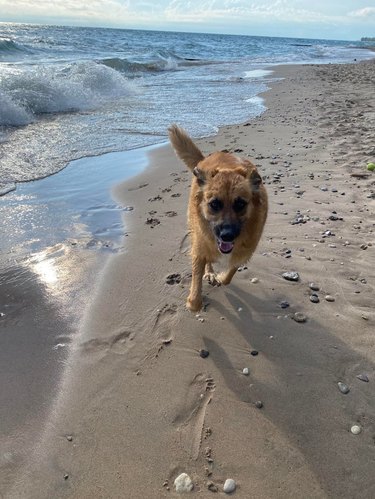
241	10
364	13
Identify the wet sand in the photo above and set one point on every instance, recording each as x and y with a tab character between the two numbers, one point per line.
137	404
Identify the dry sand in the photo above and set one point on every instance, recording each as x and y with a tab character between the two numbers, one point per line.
138	405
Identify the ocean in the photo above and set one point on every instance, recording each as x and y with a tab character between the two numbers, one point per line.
71	92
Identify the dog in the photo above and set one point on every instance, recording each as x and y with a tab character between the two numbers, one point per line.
226	215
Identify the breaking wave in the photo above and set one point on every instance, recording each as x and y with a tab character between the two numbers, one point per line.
27	93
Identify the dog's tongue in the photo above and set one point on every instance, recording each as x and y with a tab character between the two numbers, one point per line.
225	247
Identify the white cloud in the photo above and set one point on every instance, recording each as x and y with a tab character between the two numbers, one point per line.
365	13
295	17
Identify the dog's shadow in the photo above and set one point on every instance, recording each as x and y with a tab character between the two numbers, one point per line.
303	401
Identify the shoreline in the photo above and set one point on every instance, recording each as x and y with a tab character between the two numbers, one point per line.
137	384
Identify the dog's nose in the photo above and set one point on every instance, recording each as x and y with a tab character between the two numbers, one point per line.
228	232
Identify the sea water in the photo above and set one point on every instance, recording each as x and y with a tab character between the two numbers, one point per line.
71	92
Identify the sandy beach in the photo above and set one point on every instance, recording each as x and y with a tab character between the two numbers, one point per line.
136	404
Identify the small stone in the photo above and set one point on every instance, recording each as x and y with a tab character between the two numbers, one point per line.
299	317
66	476
329	298
343	387
284	304
212	487
356	429
245	371
254	353
259	404
364	246
254	280
204	353
229	486
314	298
363	377
183	483
2	314
69	438
314	287
291	276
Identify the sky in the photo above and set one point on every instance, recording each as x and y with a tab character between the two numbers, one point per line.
329	19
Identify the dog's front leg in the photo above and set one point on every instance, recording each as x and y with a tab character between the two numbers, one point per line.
194	301
226	277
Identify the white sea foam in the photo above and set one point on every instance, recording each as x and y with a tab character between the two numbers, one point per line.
27	93
258	73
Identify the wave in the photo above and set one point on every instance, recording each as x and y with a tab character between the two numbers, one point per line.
27	93
9	48
159	62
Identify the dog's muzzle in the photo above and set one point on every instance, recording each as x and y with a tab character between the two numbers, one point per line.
226	234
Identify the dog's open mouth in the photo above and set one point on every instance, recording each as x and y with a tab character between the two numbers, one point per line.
225	247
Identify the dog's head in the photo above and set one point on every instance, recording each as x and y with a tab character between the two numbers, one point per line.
229	191
228	188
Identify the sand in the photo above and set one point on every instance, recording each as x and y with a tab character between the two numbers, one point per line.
138	405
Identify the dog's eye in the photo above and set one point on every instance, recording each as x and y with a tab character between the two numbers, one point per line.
239	205
216	205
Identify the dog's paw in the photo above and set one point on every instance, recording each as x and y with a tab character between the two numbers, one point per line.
194	305
212	279
224	278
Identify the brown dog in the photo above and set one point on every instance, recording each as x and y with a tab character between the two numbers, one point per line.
226	215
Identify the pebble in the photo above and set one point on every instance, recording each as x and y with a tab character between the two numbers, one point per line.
204	353
363	377
229	485
254	280
314	298
356	429
254	353
299	317
314	286
343	387
259	404
291	276
284	304
183	483
212	487
245	371
329	298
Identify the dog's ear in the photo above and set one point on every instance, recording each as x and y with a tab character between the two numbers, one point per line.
255	180
200	176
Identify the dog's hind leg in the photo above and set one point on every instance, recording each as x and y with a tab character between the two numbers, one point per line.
194	301
226	277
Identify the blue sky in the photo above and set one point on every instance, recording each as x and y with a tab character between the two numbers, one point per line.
332	19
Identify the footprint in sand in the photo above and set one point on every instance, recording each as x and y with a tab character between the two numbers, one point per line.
163	329
118	343
190	420
152	222
136	188
185	244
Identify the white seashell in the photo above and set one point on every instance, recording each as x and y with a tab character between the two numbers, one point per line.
356	429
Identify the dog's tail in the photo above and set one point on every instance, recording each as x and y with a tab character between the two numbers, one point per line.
185	148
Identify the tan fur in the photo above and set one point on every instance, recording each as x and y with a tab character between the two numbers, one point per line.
228	178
